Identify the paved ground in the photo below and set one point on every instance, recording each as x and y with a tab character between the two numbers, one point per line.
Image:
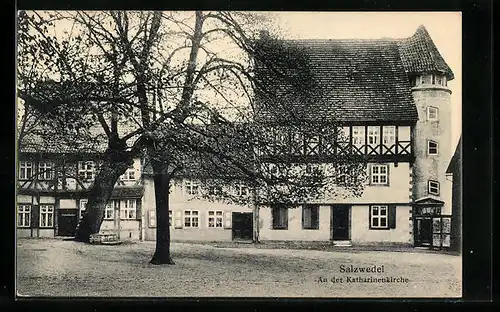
51	267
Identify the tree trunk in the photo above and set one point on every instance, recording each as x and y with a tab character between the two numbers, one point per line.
162	185
100	192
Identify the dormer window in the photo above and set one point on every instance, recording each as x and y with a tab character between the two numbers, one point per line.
433	79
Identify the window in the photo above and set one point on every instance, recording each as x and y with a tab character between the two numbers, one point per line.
379	174
25	170
280	217
424	79
86	170
432	113
46	216
242	190
129	175
191	218
373	135
433	188
83	206
109	212
170	218
439	80
127	210
310	217
389	135
214	190
192	187
215	219
378	217
45	170
432	148
358	135
23	215
413	81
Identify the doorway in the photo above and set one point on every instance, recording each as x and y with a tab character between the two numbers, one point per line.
242	226
67	222
340	222
423	231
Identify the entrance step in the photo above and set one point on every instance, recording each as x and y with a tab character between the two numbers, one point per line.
243	241
342	243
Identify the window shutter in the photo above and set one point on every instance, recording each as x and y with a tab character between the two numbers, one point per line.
228	220
152	218
274	213
392	216
178	219
284	213
35	216
315	217
138	209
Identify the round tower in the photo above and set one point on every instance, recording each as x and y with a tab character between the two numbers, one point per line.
432	138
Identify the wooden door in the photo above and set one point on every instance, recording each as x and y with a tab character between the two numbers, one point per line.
67	222
242	225
340	222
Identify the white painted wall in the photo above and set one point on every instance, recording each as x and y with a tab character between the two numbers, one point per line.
294	231
361	233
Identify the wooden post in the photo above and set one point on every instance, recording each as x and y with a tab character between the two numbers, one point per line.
366	140
381	137
396	139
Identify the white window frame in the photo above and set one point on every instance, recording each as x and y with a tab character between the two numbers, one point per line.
217	216
427	77
429	147
358	135
429	114
379	216
389	132
214	190
47	215
45	170
86	170
376	174
128	207
22	211
129	174
83	207
433	185
242	190
373	136
191	216
110	206
24	167
192	187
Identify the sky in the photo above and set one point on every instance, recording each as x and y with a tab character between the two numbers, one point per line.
445	29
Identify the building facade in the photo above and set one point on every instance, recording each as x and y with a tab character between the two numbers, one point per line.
52	186
387	99
391	101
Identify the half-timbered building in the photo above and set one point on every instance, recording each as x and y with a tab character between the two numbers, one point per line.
386	100
53	182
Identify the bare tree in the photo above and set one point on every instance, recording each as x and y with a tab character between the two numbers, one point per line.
181	86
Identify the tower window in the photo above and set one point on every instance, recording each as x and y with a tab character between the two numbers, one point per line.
433	188
432	113
432	148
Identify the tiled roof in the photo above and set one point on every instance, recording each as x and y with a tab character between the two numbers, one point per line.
419	54
49	140
361	80
127	192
